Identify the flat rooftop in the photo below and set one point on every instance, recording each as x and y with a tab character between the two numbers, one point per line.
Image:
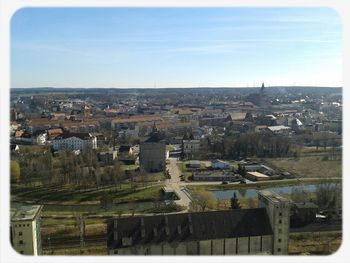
24	213
257	174
272	196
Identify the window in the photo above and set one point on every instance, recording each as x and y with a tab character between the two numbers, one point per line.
280	214
279	240
20	242
280	221
279	249
20	233
22	252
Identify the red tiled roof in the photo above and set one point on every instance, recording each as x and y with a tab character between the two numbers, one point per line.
137	118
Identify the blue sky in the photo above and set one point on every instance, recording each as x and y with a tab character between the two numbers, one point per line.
175	47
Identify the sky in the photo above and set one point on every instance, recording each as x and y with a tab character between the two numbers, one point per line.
175	47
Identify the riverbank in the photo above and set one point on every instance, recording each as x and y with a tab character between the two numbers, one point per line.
264	184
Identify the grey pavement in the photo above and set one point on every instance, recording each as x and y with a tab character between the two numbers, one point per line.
174	183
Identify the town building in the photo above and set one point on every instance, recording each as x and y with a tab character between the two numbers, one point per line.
193	164
125	151
190	148
256	176
259	99
279	129
25	230
263	230
303	213
153	153
74	141
219	164
107	157
261	168
131	121
216	176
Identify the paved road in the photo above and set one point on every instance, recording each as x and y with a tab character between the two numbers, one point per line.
174	172
175	183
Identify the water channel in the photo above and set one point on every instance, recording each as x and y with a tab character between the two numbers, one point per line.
252	192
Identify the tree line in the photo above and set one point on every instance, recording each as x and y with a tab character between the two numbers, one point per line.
79	171
248	145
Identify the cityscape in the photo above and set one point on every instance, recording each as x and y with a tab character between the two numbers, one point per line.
207	164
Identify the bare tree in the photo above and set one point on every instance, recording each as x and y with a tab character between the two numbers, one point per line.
202	200
299	195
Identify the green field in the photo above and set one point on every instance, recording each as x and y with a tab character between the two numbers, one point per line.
307	166
67	195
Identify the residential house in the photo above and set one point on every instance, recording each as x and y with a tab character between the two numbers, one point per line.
190	148
107	157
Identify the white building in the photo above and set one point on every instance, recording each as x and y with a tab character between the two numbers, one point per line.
41	138
279	129
25	230
75	141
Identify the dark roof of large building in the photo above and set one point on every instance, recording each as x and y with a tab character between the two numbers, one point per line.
81	135
188	227
153	139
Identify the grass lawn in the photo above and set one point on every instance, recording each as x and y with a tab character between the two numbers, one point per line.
307	166
318	243
150	177
66	195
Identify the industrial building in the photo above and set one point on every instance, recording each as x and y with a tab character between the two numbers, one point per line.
262	230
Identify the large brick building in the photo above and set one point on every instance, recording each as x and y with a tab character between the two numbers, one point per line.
262	230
